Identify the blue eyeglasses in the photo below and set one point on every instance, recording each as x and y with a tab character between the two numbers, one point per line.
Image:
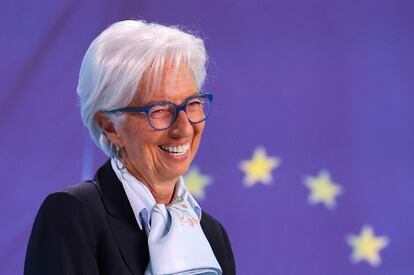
162	115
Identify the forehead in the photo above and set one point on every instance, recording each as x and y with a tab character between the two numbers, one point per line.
175	84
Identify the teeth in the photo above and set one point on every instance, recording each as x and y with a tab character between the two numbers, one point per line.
178	150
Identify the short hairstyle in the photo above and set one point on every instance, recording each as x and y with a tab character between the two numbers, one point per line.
119	59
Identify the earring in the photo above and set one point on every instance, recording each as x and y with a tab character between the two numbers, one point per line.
117	151
117	156
122	168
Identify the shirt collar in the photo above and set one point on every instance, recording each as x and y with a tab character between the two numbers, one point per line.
140	197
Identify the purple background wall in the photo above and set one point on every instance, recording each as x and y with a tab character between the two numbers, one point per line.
319	84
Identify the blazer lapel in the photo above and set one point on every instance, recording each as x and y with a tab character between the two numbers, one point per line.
131	240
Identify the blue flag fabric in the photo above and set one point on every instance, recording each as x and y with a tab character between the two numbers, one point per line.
307	158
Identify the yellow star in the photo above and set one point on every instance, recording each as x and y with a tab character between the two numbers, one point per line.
366	246
196	182
259	168
323	189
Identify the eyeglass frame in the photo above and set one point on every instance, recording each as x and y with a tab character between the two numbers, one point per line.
178	108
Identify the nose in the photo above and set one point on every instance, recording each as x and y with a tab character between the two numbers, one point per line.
182	126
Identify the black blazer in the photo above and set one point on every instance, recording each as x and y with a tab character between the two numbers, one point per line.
90	229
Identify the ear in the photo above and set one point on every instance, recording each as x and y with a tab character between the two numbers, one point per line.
109	128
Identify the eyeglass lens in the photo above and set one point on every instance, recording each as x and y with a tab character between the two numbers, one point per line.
162	116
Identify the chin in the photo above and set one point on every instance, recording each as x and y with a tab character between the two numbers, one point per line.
179	171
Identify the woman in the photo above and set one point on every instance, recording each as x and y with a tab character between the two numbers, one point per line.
139	89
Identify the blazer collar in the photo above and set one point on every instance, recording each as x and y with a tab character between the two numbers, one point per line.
131	240
114	197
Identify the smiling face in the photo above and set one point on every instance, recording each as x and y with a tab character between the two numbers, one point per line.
160	156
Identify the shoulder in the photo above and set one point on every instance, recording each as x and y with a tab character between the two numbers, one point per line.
219	241
65	233
73	203
78	194
208	222
63	215
213	229
84	191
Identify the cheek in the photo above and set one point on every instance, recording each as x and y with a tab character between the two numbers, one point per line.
199	128
198	131
136	135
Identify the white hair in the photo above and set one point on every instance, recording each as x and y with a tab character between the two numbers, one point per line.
117	60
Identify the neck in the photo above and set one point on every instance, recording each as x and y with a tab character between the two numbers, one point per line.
161	189
162	193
